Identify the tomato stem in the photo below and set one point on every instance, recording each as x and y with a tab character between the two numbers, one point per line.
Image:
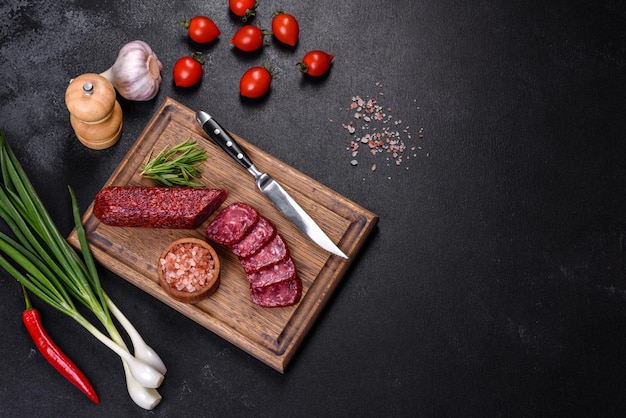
251	12
198	57
304	69
269	69
184	23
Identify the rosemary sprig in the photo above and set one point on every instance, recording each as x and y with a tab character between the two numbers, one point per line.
176	166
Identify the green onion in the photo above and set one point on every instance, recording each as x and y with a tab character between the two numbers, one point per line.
42	260
176	166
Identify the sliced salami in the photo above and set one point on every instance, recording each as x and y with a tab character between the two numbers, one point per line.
285	293
260	235
263	253
156	207
284	270
232	224
271	253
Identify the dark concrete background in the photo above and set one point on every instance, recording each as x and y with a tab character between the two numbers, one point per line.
494	283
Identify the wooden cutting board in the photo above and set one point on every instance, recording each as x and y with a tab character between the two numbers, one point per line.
270	334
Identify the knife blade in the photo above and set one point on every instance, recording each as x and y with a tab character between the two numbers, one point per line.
267	185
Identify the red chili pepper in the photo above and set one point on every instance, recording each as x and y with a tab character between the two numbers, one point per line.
52	353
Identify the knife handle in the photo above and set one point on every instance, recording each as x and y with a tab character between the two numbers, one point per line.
222	138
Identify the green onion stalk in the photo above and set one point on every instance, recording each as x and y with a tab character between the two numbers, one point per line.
41	259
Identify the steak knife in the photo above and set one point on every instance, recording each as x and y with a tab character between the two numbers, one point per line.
270	188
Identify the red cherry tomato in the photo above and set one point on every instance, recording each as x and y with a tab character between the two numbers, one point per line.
285	28
201	29
315	63
243	8
188	70
248	38
256	81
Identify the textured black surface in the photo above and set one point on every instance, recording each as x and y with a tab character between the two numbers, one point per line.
494	282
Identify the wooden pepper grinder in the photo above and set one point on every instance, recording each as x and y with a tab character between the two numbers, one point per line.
95	114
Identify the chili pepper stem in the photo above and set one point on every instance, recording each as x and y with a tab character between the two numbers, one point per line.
26	299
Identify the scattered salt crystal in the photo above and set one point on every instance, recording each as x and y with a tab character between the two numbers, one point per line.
378	137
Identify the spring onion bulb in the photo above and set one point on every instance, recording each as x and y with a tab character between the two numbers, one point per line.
147	398
145	374
42	260
142	351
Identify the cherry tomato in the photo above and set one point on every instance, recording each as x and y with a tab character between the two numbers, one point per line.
248	38
188	70
243	8
315	63
285	28
201	29
256	81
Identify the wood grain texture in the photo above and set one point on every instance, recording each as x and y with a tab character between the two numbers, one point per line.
270	334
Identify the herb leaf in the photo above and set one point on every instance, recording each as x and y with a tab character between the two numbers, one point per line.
176	166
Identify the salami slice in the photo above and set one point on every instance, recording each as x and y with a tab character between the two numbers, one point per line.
271	253
284	270
232	223
260	235
156	207
285	293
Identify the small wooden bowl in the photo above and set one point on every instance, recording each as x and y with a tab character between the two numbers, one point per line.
190	296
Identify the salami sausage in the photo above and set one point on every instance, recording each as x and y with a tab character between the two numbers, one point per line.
261	234
271	253
232	223
156	207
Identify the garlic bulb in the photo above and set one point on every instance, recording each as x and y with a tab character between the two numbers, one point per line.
136	73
